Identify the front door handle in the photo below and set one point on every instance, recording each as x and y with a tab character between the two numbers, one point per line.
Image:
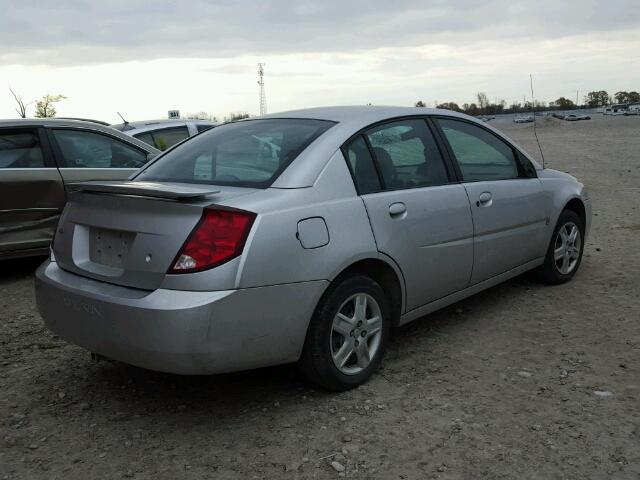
396	209
484	200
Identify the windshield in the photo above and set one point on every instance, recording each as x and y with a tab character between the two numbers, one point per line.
247	154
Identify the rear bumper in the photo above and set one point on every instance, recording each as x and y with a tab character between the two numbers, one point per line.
176	331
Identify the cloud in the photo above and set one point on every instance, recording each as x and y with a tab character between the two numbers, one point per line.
81	32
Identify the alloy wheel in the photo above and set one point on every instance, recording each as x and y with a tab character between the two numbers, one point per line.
356	333
566	252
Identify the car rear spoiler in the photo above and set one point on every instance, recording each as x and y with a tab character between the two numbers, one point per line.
167	191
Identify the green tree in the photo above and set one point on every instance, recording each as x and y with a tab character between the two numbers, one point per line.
420	103
597	98
236	116
627	97
450	106
621	97
471	109
563	104
45	106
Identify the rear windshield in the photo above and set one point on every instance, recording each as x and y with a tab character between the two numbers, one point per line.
250	153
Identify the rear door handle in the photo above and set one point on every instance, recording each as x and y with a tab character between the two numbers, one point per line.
397	208
484	200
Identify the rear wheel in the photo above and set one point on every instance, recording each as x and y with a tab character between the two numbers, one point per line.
348	334
565	250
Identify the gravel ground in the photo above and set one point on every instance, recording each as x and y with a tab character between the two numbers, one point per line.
521	381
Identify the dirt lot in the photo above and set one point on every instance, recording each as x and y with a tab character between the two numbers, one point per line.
521	381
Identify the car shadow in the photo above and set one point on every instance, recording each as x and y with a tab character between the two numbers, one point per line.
145	392
17	268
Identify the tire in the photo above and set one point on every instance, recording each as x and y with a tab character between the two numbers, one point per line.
324	340
552	271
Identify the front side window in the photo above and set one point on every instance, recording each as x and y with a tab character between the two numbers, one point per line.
481	155
249	153
82	149
407	155
20	149
165	137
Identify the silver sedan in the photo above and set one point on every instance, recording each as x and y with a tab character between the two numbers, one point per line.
305	237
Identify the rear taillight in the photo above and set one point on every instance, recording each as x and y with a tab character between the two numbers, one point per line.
218	237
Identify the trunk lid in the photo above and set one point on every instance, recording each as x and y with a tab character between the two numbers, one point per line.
129	233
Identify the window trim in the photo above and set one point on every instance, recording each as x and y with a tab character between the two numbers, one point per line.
517	154
448	162
345	153
47	156
62	163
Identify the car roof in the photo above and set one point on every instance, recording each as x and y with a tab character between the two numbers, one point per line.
367	113
72	123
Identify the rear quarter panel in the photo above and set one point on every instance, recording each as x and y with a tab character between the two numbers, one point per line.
275	255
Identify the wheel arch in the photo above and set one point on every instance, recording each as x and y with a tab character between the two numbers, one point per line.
386	273
577	206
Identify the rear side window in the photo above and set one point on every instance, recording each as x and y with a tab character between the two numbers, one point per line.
481	155
20	149
362	166
81	149
407	155
203	128
164	138
249	153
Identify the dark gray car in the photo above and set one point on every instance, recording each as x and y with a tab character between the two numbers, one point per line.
38	158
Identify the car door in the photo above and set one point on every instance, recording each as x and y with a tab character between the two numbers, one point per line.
84	154
420	217
32	193
510	208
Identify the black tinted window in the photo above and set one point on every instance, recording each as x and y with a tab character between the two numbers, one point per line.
20	149
146	138
362	167
164	138
203	128
248	153
82	149
407	155
480	154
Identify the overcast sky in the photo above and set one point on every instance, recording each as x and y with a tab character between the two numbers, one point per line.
143	58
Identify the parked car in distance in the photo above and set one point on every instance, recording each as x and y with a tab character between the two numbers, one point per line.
525	119
572	117
39	158
218	257
163	134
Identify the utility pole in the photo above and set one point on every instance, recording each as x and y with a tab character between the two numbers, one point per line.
263	96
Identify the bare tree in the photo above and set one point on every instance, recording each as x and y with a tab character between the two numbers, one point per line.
45	106
22	107
483	101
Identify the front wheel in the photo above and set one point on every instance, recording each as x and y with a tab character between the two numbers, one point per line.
565	250
348	334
